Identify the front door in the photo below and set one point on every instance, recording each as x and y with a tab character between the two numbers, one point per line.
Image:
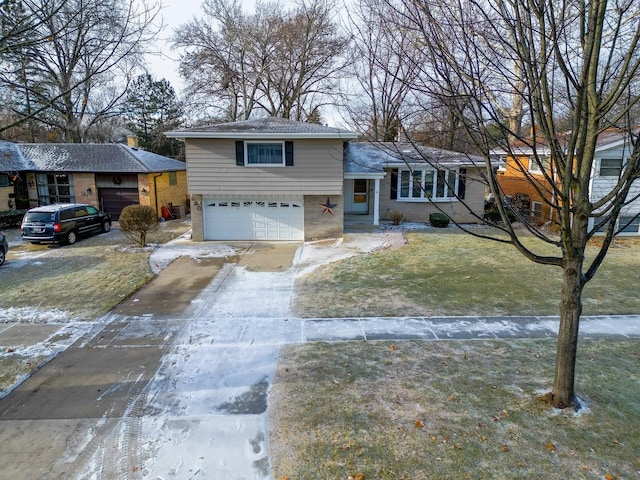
357	196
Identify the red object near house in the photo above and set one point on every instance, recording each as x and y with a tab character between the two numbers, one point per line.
165	213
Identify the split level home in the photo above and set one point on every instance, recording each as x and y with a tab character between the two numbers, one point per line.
529	183
107	176
278	179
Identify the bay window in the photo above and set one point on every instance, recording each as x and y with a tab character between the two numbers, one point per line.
427	184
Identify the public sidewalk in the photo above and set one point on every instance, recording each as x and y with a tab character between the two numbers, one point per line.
296	330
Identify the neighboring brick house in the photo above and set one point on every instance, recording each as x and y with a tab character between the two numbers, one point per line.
524	182
278	179
612	152
107	176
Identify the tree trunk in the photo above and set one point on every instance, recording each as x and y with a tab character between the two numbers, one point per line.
563	394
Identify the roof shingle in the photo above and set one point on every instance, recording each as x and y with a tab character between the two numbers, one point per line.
263	128
370	157
83	157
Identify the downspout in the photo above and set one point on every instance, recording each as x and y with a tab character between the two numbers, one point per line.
155	192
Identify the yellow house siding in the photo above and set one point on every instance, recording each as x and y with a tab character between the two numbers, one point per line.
164	193
212	170
6	203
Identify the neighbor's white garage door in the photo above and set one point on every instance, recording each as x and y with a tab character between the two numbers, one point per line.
251	219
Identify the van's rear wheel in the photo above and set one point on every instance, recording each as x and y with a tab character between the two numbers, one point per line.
72	237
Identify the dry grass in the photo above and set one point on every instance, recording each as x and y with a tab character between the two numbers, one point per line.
457	274
86	279
452	410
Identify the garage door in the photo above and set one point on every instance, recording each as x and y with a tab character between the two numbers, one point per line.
251	219
113	200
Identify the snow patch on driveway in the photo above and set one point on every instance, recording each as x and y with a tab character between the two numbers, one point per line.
163	256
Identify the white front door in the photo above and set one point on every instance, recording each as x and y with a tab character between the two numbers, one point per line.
357	196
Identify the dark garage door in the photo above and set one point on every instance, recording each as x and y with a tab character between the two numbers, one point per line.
113	200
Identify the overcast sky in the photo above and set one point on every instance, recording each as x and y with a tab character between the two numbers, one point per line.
164	63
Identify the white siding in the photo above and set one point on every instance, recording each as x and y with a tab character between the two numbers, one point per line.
601	186
212	170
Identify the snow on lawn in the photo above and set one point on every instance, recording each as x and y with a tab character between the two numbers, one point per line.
34	315
205	408
317	254
37	347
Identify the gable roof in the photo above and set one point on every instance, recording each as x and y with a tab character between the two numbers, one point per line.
11	158
372	157
83	157
607	139
264	128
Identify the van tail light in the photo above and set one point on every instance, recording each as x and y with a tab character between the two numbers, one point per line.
57	227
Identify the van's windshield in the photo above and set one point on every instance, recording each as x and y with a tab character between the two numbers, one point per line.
35	217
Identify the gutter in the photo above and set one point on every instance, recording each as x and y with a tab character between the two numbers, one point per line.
155	191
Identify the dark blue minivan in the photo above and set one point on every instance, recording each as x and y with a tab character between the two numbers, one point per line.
63	223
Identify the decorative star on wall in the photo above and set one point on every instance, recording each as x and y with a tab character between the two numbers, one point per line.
328	207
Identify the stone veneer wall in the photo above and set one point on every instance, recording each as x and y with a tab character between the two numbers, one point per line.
197	228
81	183
318	225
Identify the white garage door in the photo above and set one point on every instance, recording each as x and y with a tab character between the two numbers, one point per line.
251	219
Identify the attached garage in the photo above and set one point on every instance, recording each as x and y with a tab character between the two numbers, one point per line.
117	191
264	218
113	200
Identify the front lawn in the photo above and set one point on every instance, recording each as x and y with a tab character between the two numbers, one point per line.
457	274
44	283
421	410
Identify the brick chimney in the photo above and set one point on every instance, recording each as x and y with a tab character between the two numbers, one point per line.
132	141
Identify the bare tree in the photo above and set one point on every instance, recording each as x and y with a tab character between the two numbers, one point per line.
225	55
80	73
19	25
280	62
379	71
548	63
306	61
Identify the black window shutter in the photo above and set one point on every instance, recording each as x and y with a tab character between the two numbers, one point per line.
462	180
288	154
240	153
394	184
